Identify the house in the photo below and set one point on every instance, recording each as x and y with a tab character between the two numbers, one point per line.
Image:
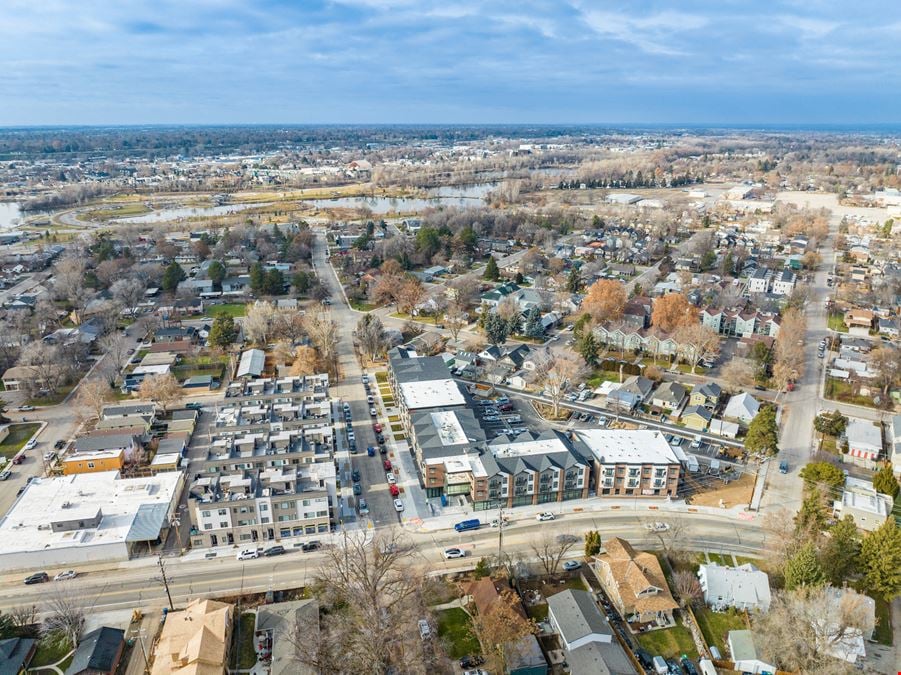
524	656
744	587
744	653
895	432
639	386
251	363
864	441
15	378
783	283
843	641
669	396
696	417
585	635
16	654
282	623
868	508
635	583
98	652
194	640
93	442
706	395
742	407
859	318
90	462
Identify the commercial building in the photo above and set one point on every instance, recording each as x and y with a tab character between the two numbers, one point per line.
263	506
630	463
87	517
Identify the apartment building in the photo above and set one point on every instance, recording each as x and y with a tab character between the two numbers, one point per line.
251	507
269	448
422	383
741	322
630	463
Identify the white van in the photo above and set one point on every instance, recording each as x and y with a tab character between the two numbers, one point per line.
660	666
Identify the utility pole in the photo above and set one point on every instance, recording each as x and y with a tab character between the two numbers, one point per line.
159	560
500	533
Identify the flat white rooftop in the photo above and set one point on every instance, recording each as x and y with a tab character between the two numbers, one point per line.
26	526
449	429
535	447
431	394
623	446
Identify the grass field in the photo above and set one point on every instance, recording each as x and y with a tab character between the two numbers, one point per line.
49	652
716	625
362	306
836	322
18	436
669	642
246	656
112	212
455	628
228	309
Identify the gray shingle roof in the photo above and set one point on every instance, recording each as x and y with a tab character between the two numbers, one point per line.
97	651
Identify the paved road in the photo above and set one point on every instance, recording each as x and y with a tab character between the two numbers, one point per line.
132	584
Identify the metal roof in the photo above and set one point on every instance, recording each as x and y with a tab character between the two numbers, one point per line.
252	362
148	522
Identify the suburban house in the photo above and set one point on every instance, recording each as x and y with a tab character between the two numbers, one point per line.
195	639
89	462
741	322
859	318
844	642
669	396
635	583
742	407
281	623
706	395
744	587
864	442
16	654
98	652
585	635
524	656
630	463
744	653
696	417
15	378
868	508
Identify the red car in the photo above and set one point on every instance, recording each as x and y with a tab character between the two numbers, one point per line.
393	489
377	427
387	464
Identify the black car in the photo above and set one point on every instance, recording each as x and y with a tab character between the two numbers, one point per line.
471	661
355	475
380	439
644	658
383	450
194	405
310	546
60	444
358	489
274	550
674	667
37	578
688	666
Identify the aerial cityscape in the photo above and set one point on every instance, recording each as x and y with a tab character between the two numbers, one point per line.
384	358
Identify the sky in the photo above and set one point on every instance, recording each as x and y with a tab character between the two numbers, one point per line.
449	61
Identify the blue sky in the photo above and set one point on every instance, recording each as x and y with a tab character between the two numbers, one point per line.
449	61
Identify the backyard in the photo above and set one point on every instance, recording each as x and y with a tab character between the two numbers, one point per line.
455	628
200	365
228	309
50	652
245	654
716	625
669	642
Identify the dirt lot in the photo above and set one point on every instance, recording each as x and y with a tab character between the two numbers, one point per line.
737	492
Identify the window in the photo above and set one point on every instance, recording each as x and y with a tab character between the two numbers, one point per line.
205	514
264	507
223	512
223	525
321	514
90	465
208	526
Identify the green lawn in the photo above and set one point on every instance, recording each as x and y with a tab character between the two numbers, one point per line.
600	376
668	642
18	436
839	390
537	612
53	399
455	628
229	309
49	652
836	322
719	559
246	656
362	306
716	625
420	319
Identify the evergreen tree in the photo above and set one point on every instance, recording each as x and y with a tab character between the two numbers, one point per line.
592	543
173	275
823	473
519	278
589	349
533	327
574	281
839	556
763	434
492	273
257	277
496	329
216	273
885	482
223	331
803	569
274	282
811	517
302	281
880	557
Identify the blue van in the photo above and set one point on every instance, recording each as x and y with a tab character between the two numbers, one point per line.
473	524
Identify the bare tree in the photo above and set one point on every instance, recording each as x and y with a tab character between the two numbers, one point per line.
697	342
64	616
500	628
371	335
283	352
551	549
23	616
687	587
50	365
306	361
92	396
164	390
560	373
115	346
258	322
738	373
669	533
455	318
129	293
323	332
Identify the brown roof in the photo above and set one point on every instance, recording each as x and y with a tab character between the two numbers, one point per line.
485	592
634	572
194	641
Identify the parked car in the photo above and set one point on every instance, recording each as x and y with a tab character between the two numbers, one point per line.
688	666
355	475
68	574
370	399
545	516
644	658
425	631
674	667
391	478
311	546
37	578
25	408
370	451
571	565
362	506
49	456
32	444
377	428
248	554
387	465
274	550
60	444
358	489
5	474
373	412
394	490
783	466
451	553
398	505
471	661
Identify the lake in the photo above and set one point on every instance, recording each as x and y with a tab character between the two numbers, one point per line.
177	213
10	215
446	195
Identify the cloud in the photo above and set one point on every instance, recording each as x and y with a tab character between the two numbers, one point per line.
652	34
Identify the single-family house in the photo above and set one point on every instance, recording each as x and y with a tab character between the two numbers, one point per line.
99	652
859	318
742	407
723	428
195	639
864	441
744	587
706	395
696	417
863	503
635	583
16	654
669	396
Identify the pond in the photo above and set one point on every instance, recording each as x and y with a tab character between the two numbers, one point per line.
178	213
446	195
10	215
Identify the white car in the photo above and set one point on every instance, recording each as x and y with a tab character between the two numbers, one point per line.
571	565
31	445
248	554
68	574
391	478
545	516
657	527
451	553
398	505
48	456
373	412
